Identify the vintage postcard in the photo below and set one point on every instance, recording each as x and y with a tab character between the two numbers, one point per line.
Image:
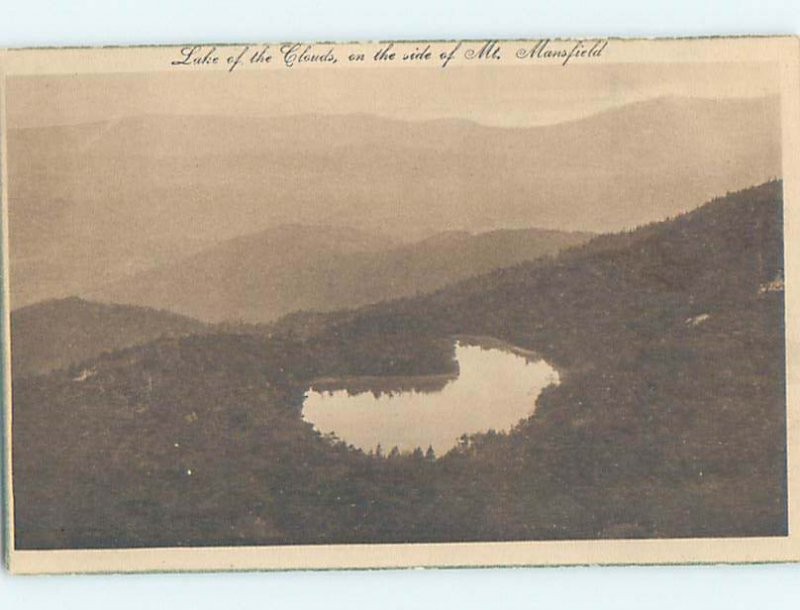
447	303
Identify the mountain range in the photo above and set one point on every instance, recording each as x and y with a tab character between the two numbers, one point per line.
92	203
669	421
57	333
260	277
255	279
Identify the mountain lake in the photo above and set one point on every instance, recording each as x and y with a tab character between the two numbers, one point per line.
496	386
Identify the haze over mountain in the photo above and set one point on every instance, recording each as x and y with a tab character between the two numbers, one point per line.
54	334
259	277
91	203
669	420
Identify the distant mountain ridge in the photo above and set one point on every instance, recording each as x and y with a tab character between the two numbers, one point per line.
669	420
57	333
161	188
258	278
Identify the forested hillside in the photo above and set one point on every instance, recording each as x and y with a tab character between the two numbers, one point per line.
54	334
260	277
669	419
91	203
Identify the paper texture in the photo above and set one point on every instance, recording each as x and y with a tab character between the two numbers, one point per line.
400	304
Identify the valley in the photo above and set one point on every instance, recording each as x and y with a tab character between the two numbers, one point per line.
96	202
669	418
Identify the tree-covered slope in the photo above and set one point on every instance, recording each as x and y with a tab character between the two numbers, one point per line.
669	419
91	203
260	277
54	334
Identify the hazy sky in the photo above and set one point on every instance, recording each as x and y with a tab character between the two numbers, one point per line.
508	95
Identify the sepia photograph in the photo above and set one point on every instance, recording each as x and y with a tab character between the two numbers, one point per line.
399	301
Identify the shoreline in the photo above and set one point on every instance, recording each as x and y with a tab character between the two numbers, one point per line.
401	382
489	342
420	383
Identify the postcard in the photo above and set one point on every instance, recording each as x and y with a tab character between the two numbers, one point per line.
401	304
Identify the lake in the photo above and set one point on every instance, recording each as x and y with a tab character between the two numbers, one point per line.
495	388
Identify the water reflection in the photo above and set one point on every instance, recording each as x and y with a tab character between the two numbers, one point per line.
494	389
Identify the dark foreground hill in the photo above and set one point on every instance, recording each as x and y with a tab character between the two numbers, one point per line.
54	334
669	420
260	277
